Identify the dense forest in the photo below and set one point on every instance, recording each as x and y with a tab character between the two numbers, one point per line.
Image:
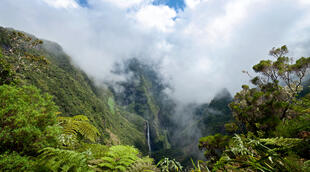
54	117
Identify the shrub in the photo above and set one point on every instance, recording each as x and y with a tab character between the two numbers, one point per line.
15	162
27	120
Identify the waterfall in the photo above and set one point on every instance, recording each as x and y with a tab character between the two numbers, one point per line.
148	137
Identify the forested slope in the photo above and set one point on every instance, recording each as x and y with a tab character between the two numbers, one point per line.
45	65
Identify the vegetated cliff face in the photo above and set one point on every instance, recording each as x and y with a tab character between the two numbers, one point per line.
46	66
143	93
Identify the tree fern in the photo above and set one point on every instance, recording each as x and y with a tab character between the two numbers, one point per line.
62	160
119	158
79	124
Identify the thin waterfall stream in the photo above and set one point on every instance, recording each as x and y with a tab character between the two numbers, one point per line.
148	137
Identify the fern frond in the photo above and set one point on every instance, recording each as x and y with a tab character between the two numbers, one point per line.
108	165
62	160
79	124
285	143
96	150
119	158
108	159
120	168
80	118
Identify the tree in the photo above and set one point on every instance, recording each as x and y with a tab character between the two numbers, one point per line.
27	120
278	83
273	117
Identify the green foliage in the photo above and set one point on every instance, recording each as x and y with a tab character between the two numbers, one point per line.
306	166
168	165
299	125
284	143
28	120
213	146
251	154
111	104
143	165
200	167
62	160
15	162
119	158
231	127
95	150
78	125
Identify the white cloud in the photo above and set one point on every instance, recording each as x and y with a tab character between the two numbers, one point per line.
127	3
160	17
221	27
193	3
203	50
62	3
304	2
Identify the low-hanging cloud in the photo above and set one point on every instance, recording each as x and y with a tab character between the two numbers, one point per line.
200	50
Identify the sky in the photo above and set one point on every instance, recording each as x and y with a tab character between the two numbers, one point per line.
199	46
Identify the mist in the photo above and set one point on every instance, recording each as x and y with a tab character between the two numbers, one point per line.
199	50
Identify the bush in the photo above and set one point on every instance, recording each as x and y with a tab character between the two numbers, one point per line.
27	120
15	162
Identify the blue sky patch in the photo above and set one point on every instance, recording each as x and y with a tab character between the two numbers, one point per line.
175	4
83	3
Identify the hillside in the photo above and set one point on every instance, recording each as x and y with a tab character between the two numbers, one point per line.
46	66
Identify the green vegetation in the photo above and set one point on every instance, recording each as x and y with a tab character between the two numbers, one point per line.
214	145
143	95
31	140
167	165
28	120
111	104
78	125
119	158
271	121
55	159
